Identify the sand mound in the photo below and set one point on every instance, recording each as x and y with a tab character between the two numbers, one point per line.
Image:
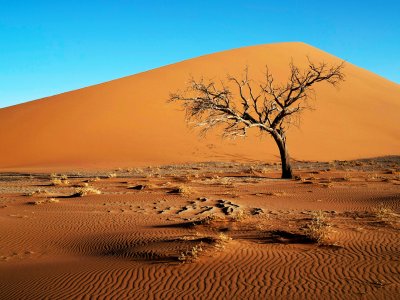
127	122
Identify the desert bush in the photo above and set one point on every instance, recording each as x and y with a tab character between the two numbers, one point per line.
192	254
37	192
318	228
59	182
217	180
326	184
384	214
239	216
221	240
44	201
347	177
181	190
208	220
80	192
93	179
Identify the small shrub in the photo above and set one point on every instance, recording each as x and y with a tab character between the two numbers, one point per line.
93	179
37	192
181	190
192	254
80	192
208	220
326	185
59	182
384	214
318	229
240	215
221	240
45	201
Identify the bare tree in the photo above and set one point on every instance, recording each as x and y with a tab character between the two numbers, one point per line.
265	105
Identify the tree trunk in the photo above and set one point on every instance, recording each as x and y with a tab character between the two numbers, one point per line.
280	140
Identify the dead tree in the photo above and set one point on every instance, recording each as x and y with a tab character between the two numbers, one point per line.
265	105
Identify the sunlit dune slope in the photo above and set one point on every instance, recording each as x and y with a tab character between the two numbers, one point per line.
127	122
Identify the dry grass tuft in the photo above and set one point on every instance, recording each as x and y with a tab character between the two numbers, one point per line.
384	214
221	240
239	216
59	182
318	229
347	177
326	185
208	220
277	194
80	192
44	201
37	192
181	190
92	179
217	180
191	255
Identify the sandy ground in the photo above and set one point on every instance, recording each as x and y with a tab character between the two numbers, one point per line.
203	231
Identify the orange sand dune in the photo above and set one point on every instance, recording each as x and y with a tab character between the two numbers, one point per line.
127	122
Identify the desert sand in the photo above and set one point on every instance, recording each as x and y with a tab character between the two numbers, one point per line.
127	122
203	231
105	193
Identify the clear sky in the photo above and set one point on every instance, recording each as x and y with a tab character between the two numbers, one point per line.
50	46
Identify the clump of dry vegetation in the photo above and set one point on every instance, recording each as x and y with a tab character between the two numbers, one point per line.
326	184
277	194
239	216
217	180
37	192
181	190
385	214
191	255
207	220
372	177
44	201
59	182
80	192
221	240
318	228
92	179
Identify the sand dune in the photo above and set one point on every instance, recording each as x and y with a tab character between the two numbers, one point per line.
127	122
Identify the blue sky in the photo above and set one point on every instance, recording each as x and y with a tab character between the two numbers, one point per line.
49	47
